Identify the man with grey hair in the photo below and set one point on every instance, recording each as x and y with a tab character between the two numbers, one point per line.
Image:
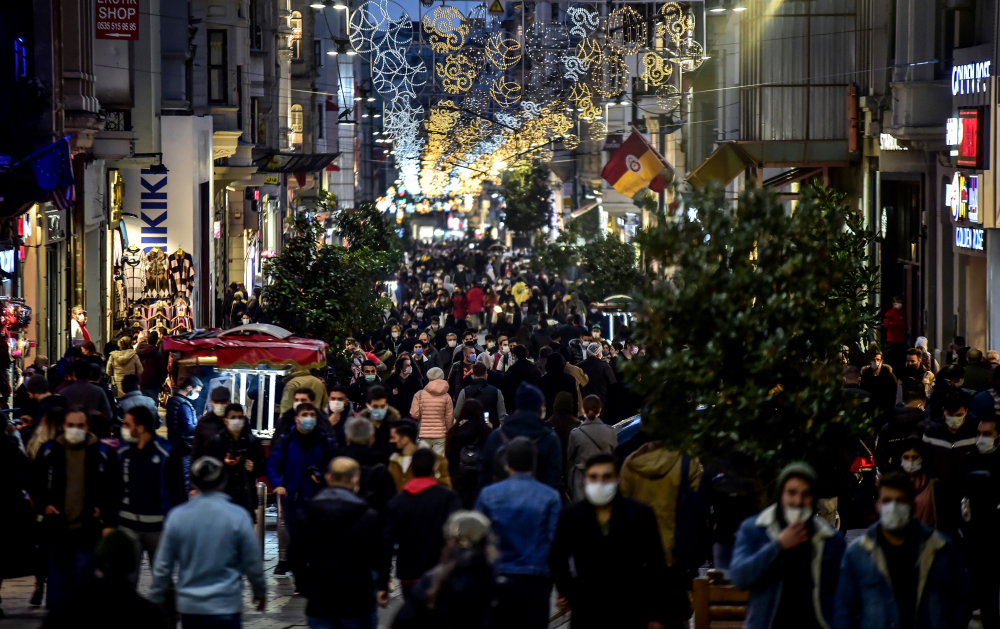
343	569
600	374
377	486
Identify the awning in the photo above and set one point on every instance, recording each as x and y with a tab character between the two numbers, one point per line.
251	349
293	162
722	166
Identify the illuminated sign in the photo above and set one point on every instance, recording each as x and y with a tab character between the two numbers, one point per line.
970	78
969	238
962	196
887	142
951	132
970	137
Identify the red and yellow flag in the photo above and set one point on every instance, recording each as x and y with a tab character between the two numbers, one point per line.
634	166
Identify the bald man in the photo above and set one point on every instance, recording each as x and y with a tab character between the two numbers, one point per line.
342	570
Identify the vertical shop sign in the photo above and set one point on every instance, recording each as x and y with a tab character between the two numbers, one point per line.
117	19
970	140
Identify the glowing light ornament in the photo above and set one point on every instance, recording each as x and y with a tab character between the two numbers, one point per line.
393	76
676	22
457	73
584	20
570	142
503	50
447	29
373	27
657	70
626	30
542	40
508	121
481	23
598	131
614	73
505	93
668	97
690	55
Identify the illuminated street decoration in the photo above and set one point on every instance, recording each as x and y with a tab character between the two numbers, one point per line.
584	20
677	22
447	29
503	51
657	71
626	30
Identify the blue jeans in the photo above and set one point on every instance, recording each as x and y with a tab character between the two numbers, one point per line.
71	565
364	622
211	621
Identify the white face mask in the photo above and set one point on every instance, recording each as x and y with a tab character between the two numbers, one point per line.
395	335
336	406
985	445
600	494
128	436
894	516
954	421
75	435
911	467
794	515
452	343
219	408
504	349
235	424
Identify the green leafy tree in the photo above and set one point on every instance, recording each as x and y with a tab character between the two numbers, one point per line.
610	267
743	341
557	256
527	197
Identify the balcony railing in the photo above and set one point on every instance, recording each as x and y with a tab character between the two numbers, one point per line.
118	120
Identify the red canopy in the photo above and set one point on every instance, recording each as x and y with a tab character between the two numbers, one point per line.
250	350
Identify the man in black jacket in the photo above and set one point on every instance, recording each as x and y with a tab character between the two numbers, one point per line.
343	550
480	389
377	486
601	375
522	370
415	518
604	535
904	422
211	425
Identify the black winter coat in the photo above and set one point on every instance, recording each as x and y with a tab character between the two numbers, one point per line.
414	528
521	371
377	485
102	486
241	484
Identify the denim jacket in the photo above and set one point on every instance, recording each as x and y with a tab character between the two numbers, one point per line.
524	513
865	598
756	561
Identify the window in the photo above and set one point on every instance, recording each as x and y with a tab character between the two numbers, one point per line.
20	59
296	123
295	23
217	67
255	121
320	121
318	52
239	97
256	31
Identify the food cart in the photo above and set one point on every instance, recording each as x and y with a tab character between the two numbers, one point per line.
256	351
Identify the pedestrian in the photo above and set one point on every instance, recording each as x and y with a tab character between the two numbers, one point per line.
286	422
403	437
978	372
404	382
76	477
527	422
37	389
487	395
346	566
914	372
522	371
181	418
524	513
901	572
415	519
655	474
123	363
599	373
789	558
294	471
903	422
116	558
563	420
211	426
607	534
358	391
460	592
557	380
587	440
210	561
461	369
152	482
243	454
878	379
981	520
916	464
432	406
377	485
464	450
502	358
339	410
383	417
81	392
301	379
950	441
132	397
154	366
948	382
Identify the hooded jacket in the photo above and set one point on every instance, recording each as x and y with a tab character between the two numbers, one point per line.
548	468
401	477
475	300
433	407
124	362
154	366
414	522
756	567
865	598
301	380
652	474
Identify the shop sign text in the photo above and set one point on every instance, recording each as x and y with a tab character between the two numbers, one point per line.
117	19
969	238
962	196
970	78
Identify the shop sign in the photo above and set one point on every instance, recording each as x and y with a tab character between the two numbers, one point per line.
271	180
962	196
887	142
969	238
117	19
969	78
55	224
970	137
613	142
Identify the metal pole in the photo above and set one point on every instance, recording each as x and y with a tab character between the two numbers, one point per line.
261	518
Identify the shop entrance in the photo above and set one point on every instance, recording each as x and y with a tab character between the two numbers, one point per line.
901	250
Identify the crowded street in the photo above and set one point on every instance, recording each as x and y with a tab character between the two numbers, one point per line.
499	314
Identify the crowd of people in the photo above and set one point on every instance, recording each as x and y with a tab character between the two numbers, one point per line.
468	459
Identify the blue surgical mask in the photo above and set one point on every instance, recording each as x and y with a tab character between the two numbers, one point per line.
307	424
378	414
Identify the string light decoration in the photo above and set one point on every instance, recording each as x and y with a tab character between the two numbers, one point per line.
502	51
668	97
372	27
457	73
614	73
505	93
570	142
657	70
676	22
543	39
626	30
584	20
598	131
393	76
690	55
447	29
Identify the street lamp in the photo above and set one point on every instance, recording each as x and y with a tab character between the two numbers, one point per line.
340	5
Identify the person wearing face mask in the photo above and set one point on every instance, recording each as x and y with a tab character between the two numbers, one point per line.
433	407
894	322
338	411
152	482
293	471
502	358
211	425
76	477
587	440
382	416
605	533
286	423
404	383
950	441
181	418
301	379
911	460
981	521
460	370
243	455
358	391
901	572
904	421
877	378
779	554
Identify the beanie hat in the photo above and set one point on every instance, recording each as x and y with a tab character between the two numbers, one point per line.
594	349
528	398
220	394
983	407
435	374
797	469
563	403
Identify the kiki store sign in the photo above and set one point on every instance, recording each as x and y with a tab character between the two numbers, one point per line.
117	19
962	196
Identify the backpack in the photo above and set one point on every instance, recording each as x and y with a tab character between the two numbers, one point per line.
691	531
367	484
734	499
470	460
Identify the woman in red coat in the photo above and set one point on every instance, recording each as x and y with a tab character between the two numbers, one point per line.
459	304
475	299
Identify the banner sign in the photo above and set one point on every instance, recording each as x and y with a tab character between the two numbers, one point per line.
118	19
